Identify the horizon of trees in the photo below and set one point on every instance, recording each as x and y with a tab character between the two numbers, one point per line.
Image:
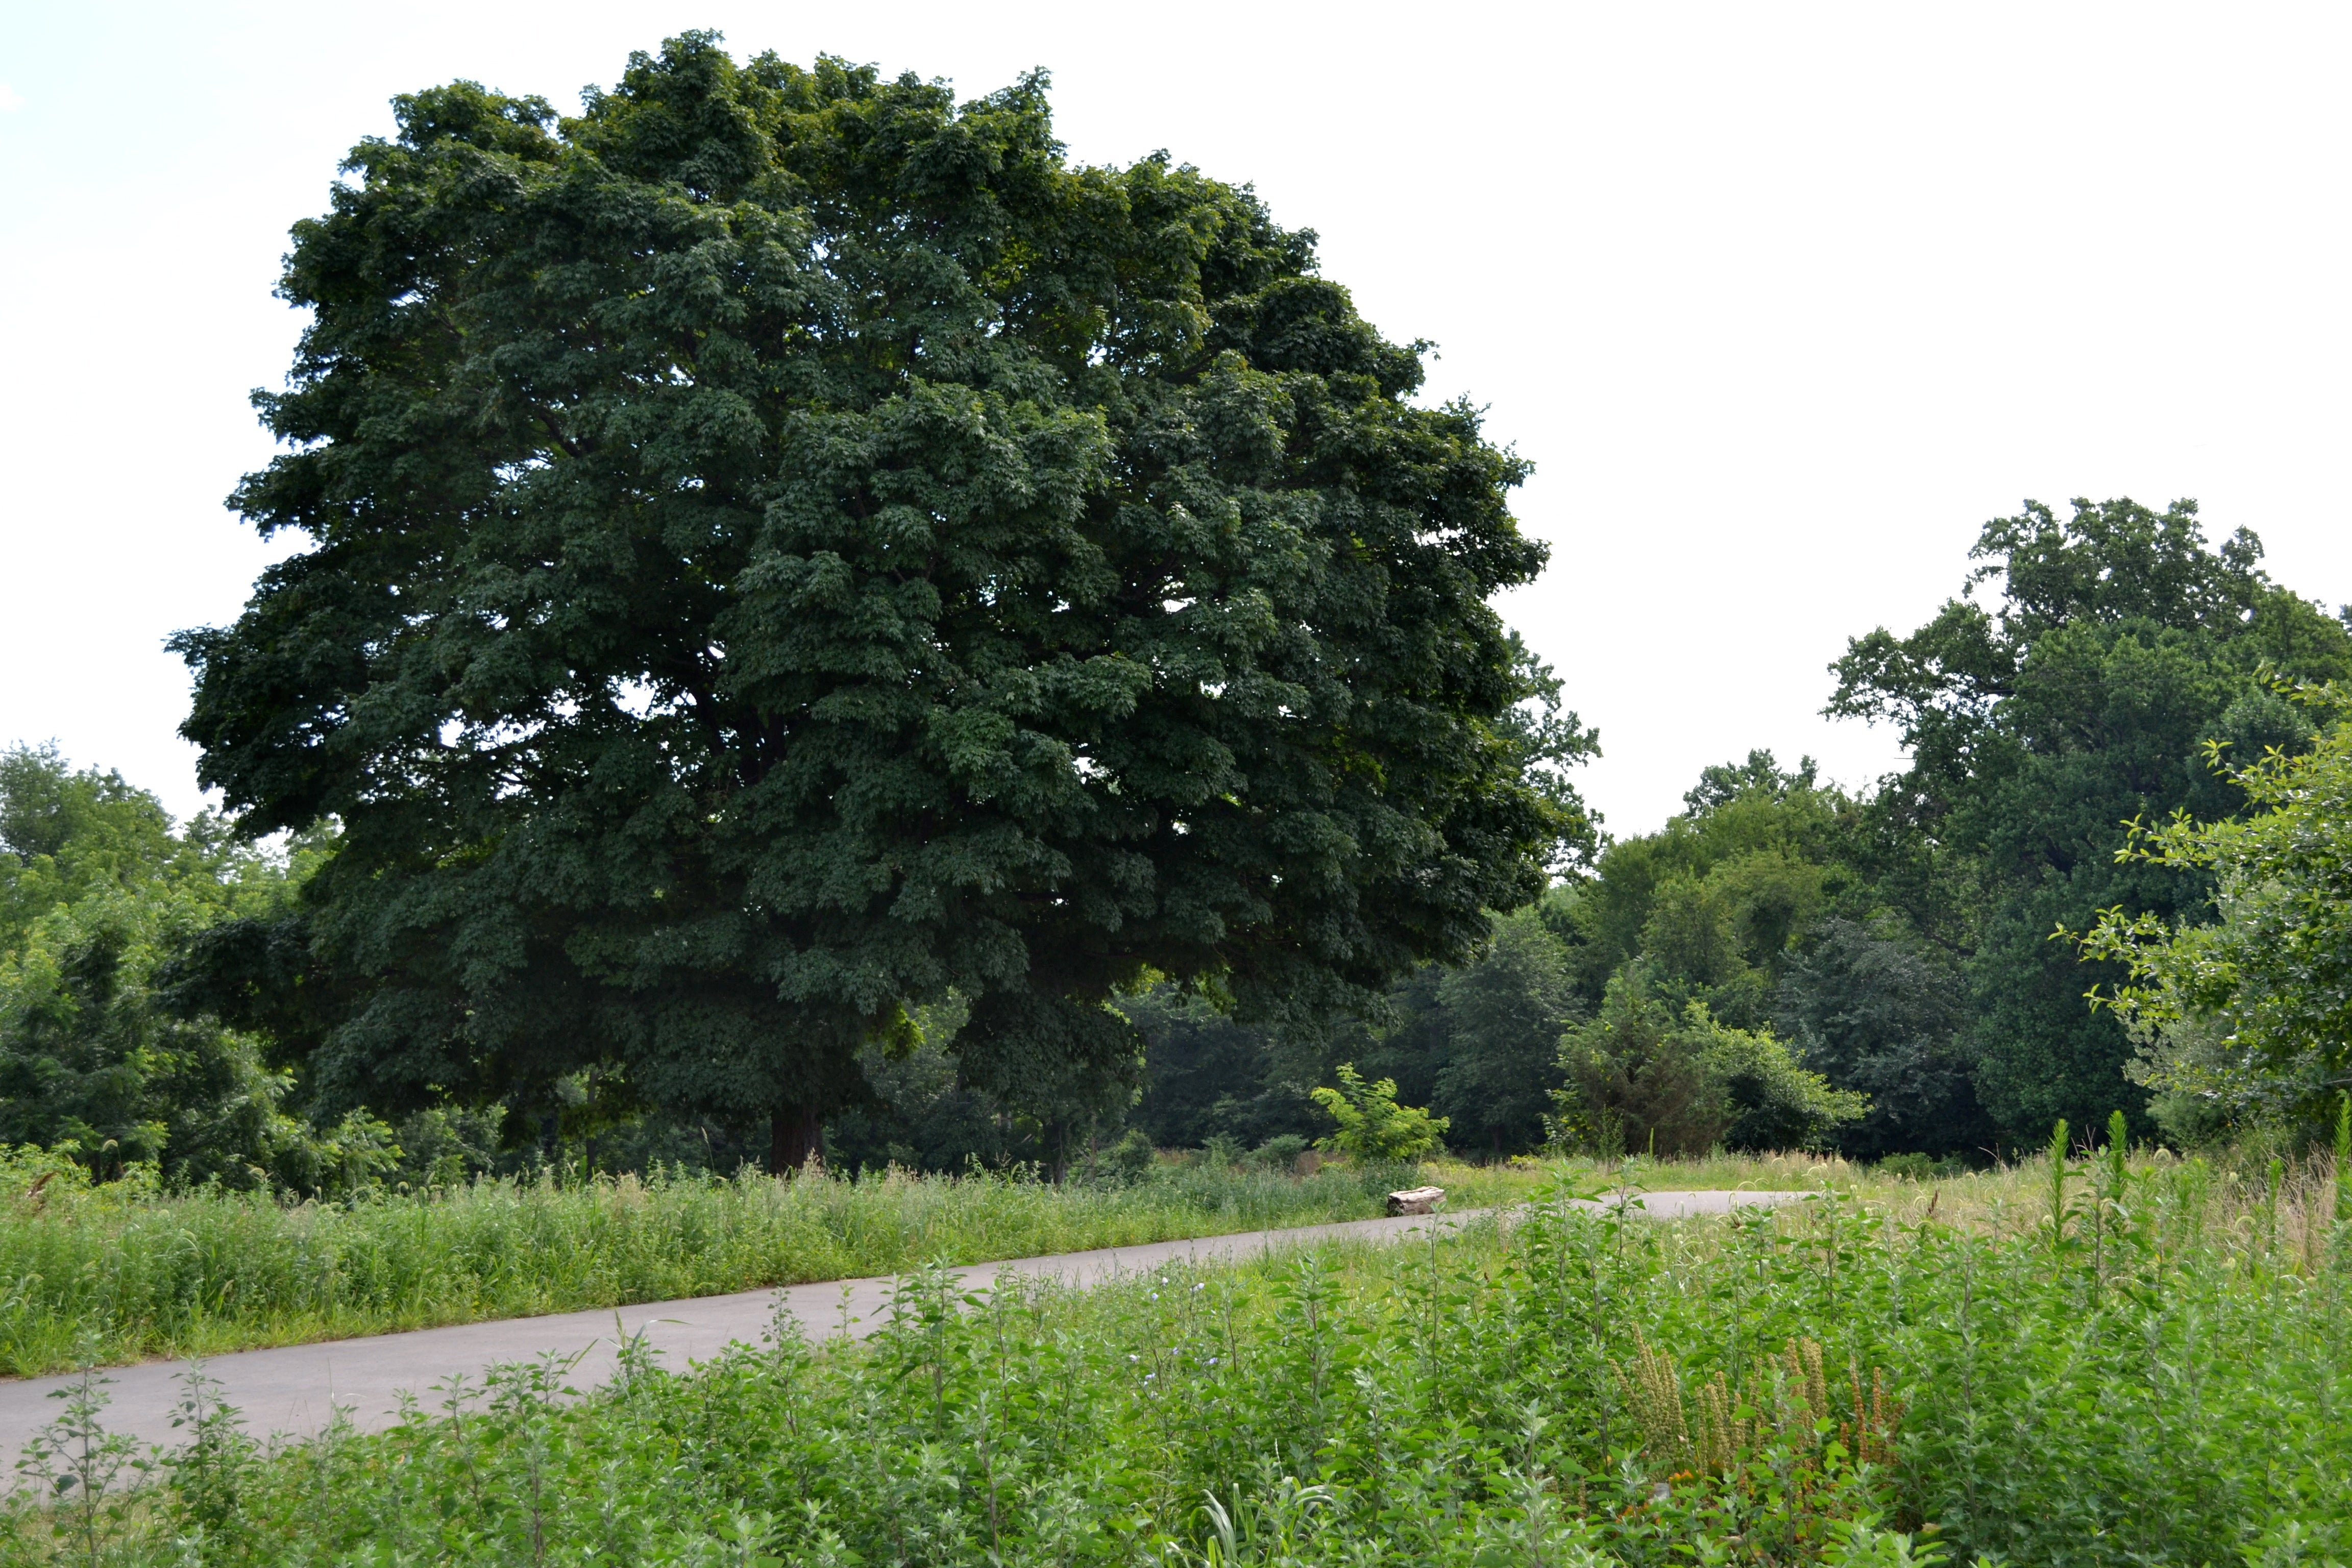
1902	942
821	622
1783	961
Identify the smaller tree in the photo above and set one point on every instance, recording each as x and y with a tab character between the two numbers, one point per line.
1501	1017
1373	1125
1634	1080
98	890
1882	1017
1643	1077
2248	1017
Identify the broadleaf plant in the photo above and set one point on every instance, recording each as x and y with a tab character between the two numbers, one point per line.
782	548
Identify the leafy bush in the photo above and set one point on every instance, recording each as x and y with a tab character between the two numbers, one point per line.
1373	1125
2249	1017
1130	1158
1641	1077
1279	1152
98	890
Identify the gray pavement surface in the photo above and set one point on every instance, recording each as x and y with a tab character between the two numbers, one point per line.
294	1389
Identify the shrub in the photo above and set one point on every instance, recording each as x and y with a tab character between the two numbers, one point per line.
1128	1159
1279	1152
1643	1077
2248	1018
1373	1125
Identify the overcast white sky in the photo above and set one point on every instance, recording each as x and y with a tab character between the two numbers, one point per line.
1784	301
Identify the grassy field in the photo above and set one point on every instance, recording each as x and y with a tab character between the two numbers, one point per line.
2161	1375
117	1273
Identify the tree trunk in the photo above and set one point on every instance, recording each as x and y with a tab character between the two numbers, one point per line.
1416	1200
795	1135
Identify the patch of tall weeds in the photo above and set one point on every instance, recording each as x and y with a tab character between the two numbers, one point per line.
124	1270
2135	1362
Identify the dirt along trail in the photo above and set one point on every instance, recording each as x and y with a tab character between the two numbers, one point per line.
294	1389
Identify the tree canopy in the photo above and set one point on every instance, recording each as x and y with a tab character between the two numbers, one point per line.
99	890
2039	728
782	547
2249	1017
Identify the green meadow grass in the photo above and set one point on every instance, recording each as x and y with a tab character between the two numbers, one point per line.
2136	1364
120	1272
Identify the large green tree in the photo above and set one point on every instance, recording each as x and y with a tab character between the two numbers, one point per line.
782	545
2043	724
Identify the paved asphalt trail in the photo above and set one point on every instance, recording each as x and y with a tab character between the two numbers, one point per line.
292	1389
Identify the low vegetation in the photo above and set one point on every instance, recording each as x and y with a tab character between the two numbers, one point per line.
2107	1361
118	1272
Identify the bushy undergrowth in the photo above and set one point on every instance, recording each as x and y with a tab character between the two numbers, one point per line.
123	1271
2159	1377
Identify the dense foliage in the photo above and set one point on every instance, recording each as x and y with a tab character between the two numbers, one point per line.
1715	982
1642	1078
1764	911
1898	940
2039	728
2158	1379
1477	1044
784	548
2249	1017
99	888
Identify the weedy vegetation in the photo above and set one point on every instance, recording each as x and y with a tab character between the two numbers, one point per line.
2105	1359
117	1271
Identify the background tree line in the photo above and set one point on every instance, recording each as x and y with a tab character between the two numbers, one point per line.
820	624
1776	956
2098	670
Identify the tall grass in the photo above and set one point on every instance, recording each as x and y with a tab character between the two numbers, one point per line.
123	1272
1723	1171
2125	1363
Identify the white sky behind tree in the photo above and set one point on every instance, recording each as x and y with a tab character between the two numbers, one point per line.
1783	301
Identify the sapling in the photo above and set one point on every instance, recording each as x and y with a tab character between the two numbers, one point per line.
213	1457
80	1461
2108	1200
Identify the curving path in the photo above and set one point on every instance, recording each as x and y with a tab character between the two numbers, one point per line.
293	1389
